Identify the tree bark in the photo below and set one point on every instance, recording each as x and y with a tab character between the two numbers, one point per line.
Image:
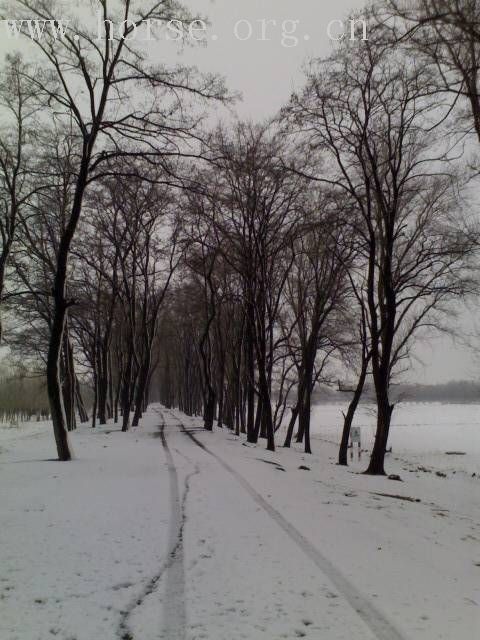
82	412
95	399
209	409
291	426
68	387
352	407
266	409
384	416
54	388
141	387
126	393
304	417
60	307
102	383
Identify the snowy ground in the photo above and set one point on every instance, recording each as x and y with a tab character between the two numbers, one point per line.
170	532
420	432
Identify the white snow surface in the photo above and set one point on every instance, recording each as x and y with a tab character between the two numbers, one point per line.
156	533
420	432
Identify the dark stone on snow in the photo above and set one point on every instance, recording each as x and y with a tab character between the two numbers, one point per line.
394	476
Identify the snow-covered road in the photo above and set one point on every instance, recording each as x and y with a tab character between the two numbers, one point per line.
171	532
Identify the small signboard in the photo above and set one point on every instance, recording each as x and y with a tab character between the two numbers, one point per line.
355	435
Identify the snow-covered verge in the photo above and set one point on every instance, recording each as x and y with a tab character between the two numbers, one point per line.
78	540
192	535
12	432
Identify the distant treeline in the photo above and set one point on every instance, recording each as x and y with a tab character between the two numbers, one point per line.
23	397
461	391
455	391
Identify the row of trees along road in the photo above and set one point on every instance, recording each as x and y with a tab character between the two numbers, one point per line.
228	272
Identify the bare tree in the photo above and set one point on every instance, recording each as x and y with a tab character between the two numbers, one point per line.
17	186
361	348
40	222
201	261
444	35
255	222
369	112
94	86
316	292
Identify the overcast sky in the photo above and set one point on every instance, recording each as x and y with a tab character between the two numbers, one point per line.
265	71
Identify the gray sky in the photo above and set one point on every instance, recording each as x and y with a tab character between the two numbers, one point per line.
265	72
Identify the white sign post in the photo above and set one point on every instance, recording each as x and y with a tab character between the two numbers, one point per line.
355	435
355	438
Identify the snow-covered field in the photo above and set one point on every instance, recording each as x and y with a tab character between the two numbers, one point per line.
420	432
170	532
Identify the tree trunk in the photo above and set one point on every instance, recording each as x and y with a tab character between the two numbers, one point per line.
95	399
266	409
384	416
221	397
102	384
141	388
250	382
126	394
300	432
82	412
295	412
304	417
55	395
117	397
291	426
352	407
68	387
258	420
110	386
148	386
60	307
209	409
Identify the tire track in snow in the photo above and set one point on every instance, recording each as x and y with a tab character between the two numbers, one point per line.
375	620
174	611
